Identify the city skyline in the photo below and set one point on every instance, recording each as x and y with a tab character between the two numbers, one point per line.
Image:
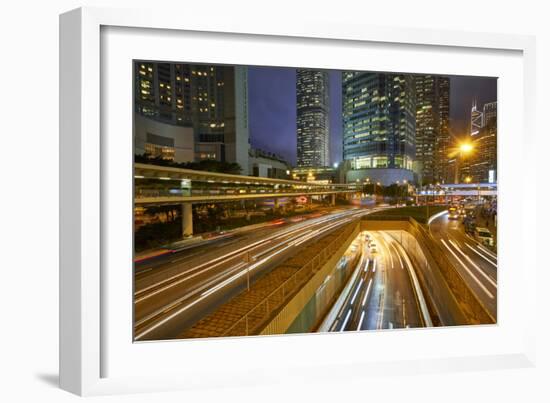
273	113
231	240
385	127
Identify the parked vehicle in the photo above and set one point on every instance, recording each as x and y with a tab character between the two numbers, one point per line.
484	236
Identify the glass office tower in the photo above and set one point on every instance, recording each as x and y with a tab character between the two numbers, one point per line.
379	126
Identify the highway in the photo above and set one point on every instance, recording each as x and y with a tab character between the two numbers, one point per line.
385	293
476	264
173	292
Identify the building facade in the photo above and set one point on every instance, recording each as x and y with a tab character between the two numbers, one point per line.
443	143
432	128
489	112
211	100
476	119
312	120
379	126
267	165
483	164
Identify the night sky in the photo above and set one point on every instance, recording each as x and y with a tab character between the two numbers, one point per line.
272	108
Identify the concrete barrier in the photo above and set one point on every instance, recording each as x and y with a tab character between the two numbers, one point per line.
282	320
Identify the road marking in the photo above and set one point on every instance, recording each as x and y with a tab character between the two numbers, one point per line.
366	293
367	265
489	279
483	256
356	291
487	251
469	271
346	320
374	266
361	320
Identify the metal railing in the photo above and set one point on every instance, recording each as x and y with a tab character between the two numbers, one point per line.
256	316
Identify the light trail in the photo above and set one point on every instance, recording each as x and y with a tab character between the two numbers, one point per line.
356	291
487	251
483	256
417	289
391	243
361	320
346	320
366	266
469	271
489	279
190	294
366	293
228	256
436	216
298	240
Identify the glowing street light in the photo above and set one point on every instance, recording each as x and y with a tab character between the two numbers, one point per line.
463	149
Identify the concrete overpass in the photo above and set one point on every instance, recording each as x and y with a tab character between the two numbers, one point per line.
159	185
460	189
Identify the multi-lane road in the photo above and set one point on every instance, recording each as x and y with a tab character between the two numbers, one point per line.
174	291
384	292
476	264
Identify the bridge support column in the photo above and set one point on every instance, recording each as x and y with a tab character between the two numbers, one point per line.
333	199
187	219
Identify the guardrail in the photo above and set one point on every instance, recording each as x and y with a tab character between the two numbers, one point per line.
255	317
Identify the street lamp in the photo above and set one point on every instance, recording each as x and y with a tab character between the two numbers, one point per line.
461	151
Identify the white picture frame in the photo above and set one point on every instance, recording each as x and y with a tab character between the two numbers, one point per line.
91	361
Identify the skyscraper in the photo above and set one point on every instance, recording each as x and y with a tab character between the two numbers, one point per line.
483	165
432	128
312	121
489	112
443	142
476	119
379	126
211	100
